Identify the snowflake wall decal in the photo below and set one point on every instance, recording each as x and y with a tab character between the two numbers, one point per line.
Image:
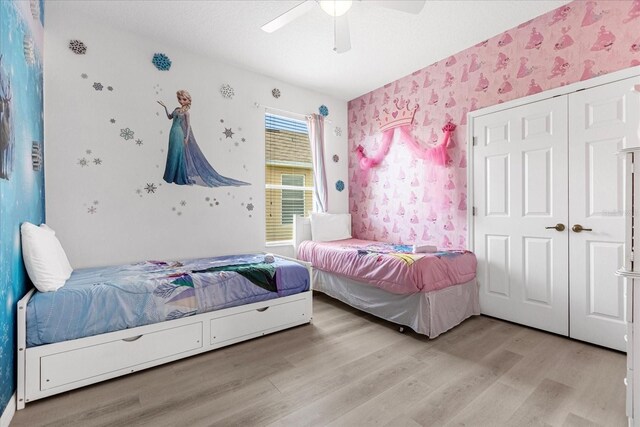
138	142
161	61
77	47
97	86
83	162
323	110
112	120
336	158
249	207
150	188
110	88
337	131
126	133
84	75
276	93
339	185
92	210
183	203
97	161
227	91
227	133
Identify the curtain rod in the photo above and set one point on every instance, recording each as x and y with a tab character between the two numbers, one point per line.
266	107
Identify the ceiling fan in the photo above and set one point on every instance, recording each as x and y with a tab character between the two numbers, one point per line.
338	10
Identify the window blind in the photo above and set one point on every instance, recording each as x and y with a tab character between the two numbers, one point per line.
289	175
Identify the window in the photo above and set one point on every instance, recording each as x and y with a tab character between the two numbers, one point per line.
289	175
292	200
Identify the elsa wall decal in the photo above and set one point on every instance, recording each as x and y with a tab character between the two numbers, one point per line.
186	165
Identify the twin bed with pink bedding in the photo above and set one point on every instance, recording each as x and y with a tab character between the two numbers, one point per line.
428	292
393	268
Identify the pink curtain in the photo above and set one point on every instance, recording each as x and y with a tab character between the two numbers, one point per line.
315	122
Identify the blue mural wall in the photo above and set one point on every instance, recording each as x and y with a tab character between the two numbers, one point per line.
21	184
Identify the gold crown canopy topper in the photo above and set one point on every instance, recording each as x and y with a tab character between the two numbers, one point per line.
402	115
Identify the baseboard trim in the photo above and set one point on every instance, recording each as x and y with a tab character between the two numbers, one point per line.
9	412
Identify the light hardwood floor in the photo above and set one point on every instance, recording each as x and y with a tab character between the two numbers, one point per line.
351	369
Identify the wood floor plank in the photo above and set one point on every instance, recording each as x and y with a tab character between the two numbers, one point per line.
449	399
493	407
349	368
387	406
334	404
308	376
605	380
574	420
306	390
530	371
543	405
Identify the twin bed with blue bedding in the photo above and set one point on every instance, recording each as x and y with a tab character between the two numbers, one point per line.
99	300
157	311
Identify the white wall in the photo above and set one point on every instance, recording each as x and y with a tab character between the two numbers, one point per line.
130	227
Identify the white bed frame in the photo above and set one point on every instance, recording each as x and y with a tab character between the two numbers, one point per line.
428	313
50	369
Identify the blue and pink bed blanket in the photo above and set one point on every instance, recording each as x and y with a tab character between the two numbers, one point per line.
106	299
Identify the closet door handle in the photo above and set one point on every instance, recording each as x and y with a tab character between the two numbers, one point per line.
557	227
578	228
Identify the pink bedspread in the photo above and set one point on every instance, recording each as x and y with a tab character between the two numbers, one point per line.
390	267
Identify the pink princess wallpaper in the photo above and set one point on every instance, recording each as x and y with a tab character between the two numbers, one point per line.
410	198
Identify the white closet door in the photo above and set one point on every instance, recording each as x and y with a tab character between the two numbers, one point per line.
604	119
520	189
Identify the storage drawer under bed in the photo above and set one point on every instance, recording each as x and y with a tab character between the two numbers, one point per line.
273	314
86	362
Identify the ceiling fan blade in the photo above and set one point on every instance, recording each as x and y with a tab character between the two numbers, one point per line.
342	37
408	6
289	16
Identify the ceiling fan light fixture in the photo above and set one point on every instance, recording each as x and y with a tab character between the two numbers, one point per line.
335	7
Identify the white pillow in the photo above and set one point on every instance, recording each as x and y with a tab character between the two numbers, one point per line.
60	253
328	227
44	258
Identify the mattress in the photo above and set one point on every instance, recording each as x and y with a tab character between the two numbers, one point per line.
100	300
391	267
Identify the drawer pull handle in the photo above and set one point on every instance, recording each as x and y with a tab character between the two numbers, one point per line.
262	309
132	338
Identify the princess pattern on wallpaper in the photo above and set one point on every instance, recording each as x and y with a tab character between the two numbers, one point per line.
578	41
186	165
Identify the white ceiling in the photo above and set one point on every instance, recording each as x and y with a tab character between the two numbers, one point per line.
386	44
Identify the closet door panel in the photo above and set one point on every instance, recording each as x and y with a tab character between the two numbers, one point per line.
520	189
604	120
